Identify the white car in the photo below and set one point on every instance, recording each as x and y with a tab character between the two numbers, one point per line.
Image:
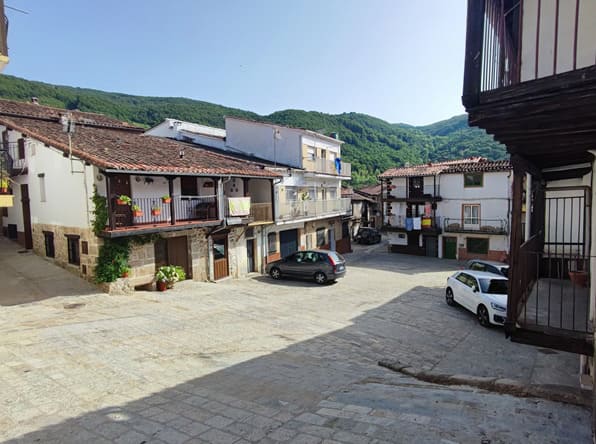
484	294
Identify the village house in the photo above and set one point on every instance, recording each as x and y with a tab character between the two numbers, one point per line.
530	80
197	209
456	209
309	209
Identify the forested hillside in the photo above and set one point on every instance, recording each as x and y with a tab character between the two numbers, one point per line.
371	145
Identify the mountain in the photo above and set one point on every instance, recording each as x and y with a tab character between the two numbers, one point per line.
371	144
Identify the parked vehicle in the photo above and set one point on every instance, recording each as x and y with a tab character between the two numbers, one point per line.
367	235
484	294
321	265
488	266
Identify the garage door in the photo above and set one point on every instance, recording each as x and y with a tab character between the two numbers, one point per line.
288	241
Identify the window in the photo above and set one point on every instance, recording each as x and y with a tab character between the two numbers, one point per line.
74	256
321	237
21	147
477	245
471	214
272	242
310	154
472	180
188	186
85	247
49	243
478	266
42	187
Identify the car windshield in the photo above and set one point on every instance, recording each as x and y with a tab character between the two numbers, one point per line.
505	271
493	286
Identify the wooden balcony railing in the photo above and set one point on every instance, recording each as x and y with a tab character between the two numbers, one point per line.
402	192
401	222
13	157
486	226
493	47
242	207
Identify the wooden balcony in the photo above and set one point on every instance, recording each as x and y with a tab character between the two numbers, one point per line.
13	159
151	215
240	210
396	193
476	226
402	223
539	102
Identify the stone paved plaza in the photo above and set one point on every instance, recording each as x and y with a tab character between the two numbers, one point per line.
257	360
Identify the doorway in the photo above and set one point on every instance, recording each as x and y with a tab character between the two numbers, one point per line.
288	241
431	244
120	185
173	251
220	257
449	247
250	256
26	216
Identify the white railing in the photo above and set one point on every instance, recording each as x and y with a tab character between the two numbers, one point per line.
326	166
313	208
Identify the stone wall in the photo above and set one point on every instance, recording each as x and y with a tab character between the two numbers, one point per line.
87	259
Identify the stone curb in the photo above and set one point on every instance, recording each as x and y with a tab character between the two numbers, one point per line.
506	386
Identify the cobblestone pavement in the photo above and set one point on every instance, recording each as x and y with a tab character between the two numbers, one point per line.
258	360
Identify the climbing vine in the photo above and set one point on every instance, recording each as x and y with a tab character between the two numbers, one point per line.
100	212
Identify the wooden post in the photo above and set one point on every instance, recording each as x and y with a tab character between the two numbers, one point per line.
219	193
172	204
515	261
473	59
112	221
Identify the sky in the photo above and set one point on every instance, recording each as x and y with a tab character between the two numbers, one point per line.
399	60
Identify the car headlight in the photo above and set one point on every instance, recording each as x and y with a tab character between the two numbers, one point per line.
498	307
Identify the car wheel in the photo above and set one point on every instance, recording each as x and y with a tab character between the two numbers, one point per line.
320	277
449	297
483	317
275	273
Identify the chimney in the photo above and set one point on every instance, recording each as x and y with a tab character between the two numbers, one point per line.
34	100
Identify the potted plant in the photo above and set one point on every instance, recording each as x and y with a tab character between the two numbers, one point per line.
3	185
168	275
124	271
136	211
155	210
166	199
123	199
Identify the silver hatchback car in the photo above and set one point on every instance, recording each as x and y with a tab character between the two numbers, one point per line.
320	265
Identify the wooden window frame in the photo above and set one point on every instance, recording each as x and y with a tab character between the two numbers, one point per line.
474	174
185	185
50	248
272	243
74	254
463	213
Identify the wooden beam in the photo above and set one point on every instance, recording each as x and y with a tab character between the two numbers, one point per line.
473	58
172	202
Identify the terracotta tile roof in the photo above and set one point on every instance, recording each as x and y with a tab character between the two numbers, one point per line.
432	169
113	147
21	109
373	190
480	167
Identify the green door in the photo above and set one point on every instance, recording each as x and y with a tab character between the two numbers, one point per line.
450	247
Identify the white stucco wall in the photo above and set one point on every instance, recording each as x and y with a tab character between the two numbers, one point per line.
545	24
68	187
189	132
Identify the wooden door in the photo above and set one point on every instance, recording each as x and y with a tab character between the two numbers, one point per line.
432	246
177	248
26	216
220	257
120	184
449	247
250	253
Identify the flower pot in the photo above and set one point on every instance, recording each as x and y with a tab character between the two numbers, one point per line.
124	274
161	285
121	202
137	213
579	278
156	212
166	199
3	190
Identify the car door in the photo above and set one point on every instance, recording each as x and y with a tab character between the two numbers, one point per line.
292	265
460	290
466	292
474	293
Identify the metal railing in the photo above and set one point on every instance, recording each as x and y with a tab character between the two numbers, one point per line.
555	290
412	224
328	167
471	225
309	208
402	192
13	157
152	210
261	212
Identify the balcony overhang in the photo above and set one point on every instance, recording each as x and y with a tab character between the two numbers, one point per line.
134	230
549	121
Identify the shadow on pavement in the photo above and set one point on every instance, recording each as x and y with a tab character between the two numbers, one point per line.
330	387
